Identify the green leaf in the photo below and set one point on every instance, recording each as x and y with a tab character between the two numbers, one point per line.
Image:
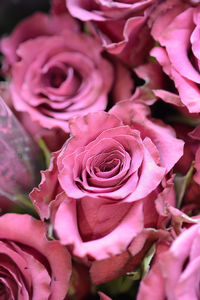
145	265
22	205
46	152
181	184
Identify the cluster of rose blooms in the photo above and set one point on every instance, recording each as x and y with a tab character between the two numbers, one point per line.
112	89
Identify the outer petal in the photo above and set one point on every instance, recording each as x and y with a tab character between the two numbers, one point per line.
177	255
154	279
160	134
46	192
111	268
34	236
66	227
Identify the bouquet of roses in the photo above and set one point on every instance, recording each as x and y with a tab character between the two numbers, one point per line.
100	152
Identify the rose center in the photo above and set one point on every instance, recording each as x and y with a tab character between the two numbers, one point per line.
109	165
4	294
55	77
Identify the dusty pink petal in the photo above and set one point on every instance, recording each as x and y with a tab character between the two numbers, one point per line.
135	24
197	166
168	97
102	10
41	280
109	245
84	124
195	42
163	15
111	268
164	200
195	133
126	110
122	78
103	296
151	175
135	42
189	278
46	191
188	90
148	234
147	290
161	135
182	22
181	45
16	267
154	278
154	78
37	25
162	57
177	255
10	224
108	269
126	5
97	217
78	9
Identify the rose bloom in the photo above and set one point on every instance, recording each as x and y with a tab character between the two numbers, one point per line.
31	266
175	272
177	31
121	25
53	75
101	186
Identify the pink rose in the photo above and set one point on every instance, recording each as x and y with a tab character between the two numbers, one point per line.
179	57
57	77
175	273
31	266
121	25
100	188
